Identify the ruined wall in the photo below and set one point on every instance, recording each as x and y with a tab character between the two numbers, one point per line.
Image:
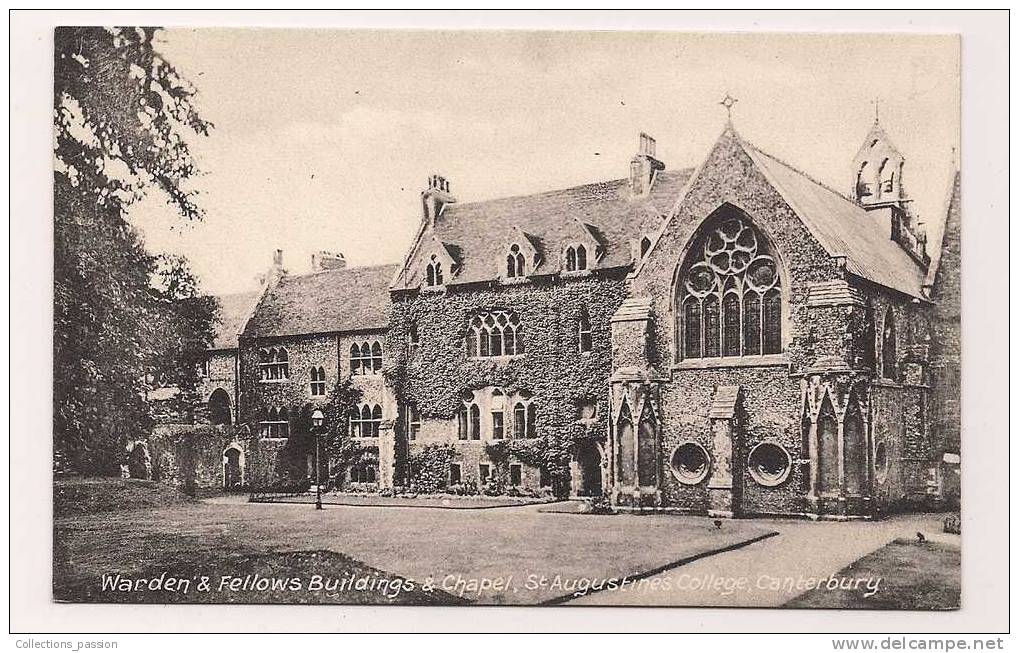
192	457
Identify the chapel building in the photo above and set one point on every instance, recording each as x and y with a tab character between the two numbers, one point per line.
736	339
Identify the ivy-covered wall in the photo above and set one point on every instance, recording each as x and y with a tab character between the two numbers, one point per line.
845	336
553	370
332	353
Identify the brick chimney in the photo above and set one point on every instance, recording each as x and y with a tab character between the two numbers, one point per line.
644	167
327	261
275	273
435	198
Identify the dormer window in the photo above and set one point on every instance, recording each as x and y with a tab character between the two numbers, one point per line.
576	258
433	272
514	262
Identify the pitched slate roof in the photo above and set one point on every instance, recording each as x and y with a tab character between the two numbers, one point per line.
842	227
481	231
233	313
352	299
950	213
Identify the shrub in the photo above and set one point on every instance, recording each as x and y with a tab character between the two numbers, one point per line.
601	506
953	524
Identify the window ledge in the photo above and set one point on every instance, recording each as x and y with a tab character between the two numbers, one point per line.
498	359
513	281
573	274
268	439
274	380
767	360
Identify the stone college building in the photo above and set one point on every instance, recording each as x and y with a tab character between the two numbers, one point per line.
736	339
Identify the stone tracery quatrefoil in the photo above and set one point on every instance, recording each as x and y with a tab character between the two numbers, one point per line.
731	253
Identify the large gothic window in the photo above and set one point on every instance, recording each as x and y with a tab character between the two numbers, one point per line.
730	297
496	333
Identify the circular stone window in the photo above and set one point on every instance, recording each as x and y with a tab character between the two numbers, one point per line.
881	461
770	464
690	463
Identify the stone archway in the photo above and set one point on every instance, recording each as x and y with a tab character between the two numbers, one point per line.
233	467
589	468
139	464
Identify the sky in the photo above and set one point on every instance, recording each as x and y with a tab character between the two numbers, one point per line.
324	139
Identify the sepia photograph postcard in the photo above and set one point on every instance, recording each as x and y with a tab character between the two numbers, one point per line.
635	317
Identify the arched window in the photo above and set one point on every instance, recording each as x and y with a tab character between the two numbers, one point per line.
584	329
433	272
219	407
275	424
729	294
519	420
514	262
318	381
365	421
496	333
355	360
576	258
273	364
498	415
645	245
475	430
366	358
888	361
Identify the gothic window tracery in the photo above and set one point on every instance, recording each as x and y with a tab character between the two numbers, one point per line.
495	333
730	294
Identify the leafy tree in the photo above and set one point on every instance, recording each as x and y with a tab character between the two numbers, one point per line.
121	114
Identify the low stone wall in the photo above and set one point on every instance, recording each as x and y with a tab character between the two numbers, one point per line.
196	458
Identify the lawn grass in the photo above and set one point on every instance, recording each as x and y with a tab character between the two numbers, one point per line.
914	576
514	544
88	495
93	513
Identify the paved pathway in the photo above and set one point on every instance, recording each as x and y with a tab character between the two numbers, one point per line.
756	575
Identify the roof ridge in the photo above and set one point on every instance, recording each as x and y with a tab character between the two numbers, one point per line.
350	268
555	191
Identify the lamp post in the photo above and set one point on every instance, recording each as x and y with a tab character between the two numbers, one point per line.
316	425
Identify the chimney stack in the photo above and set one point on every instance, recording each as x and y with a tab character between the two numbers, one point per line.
435	198
644	167
327	261
276	272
